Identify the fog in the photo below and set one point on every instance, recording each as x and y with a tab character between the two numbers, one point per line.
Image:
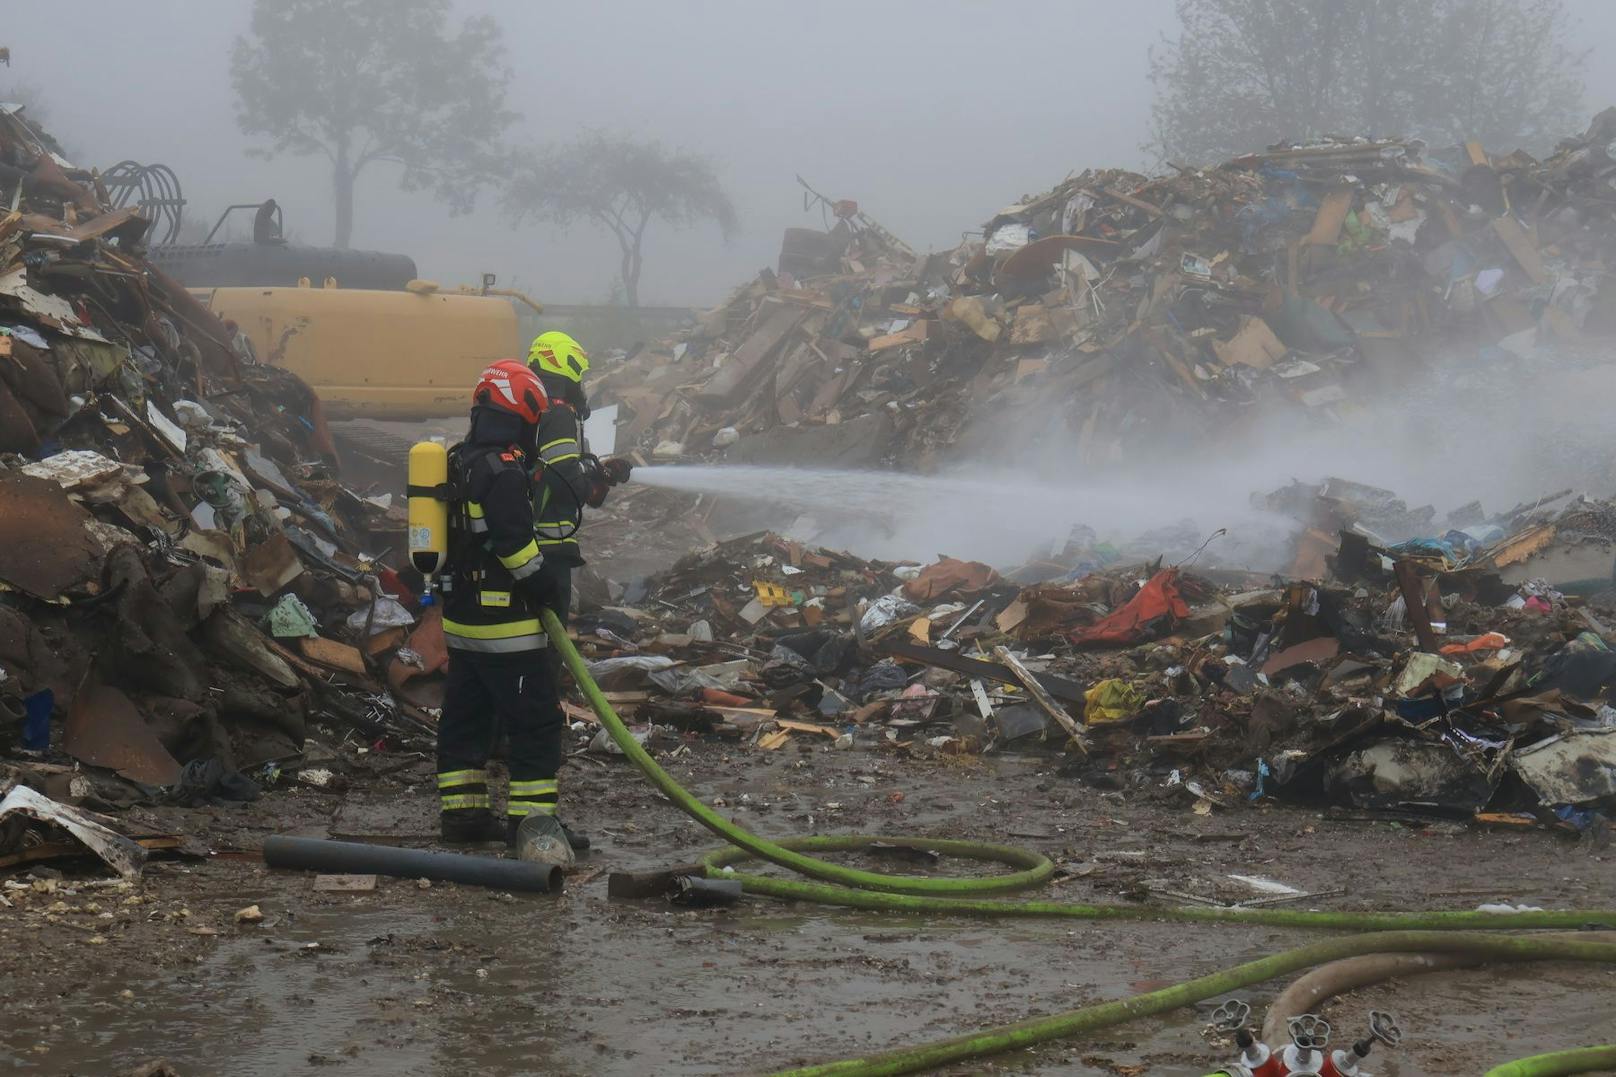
1458	432
931	113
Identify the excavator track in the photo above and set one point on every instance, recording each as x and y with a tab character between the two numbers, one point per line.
372	454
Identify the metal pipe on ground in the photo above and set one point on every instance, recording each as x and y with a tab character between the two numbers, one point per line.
352	857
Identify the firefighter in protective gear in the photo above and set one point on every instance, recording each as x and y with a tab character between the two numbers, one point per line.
492	592
567	478
568	475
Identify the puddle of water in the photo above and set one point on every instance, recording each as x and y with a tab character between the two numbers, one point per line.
579	986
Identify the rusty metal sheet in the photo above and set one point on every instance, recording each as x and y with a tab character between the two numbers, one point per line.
1316	651
1038	258
105	730
45	548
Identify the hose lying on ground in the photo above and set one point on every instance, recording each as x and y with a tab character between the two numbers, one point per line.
1578	1060
1089	1019
871	890
1306	992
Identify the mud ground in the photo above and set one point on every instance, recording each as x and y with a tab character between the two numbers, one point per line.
411	979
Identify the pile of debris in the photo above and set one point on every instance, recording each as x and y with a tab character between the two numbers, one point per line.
1117	306
186	586
1434	675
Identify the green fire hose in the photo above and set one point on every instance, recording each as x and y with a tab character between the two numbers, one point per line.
853	888
1579	1060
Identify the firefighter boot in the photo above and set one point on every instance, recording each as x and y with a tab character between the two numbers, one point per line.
539	839
578	840
469	826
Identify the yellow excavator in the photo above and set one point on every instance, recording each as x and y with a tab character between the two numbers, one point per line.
371	338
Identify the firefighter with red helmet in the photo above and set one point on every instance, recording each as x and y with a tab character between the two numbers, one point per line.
493	589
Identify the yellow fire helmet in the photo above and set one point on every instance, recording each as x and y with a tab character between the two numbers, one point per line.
557	353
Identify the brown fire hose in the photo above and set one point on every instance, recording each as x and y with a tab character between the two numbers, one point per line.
1305	994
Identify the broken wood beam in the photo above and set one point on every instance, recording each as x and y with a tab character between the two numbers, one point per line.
1413	588
1058	687
1029	681
649	884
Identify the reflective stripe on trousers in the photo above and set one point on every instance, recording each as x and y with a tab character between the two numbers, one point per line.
537	797
463	789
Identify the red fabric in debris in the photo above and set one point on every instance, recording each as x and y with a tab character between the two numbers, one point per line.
1156	599
394	586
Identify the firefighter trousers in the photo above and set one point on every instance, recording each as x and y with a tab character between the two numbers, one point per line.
484	694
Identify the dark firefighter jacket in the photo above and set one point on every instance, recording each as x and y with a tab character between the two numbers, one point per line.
491	605
566	481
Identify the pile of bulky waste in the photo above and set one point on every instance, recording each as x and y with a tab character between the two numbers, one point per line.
1115	307
191	601
193	605
1467	673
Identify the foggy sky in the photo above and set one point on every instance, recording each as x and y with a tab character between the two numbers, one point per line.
931	113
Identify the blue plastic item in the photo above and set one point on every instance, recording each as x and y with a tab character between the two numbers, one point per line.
36	724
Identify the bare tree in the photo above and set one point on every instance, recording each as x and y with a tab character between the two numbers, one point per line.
367	82
621	184
1243	74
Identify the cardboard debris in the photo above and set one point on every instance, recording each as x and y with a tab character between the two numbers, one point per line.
146	470
105	730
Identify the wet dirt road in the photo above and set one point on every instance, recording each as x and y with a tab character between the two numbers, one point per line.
447	980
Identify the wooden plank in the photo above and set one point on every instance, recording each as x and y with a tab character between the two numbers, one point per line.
1522	246
1136	203
1254	345
1044	700
1059	687
328	652
386	640
753	715
984	706
1413	588
914	334
735	378
648	884
1520	546
1328	220
807	727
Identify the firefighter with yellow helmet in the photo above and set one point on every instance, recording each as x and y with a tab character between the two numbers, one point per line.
567	478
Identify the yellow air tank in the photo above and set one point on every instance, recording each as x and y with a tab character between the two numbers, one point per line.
429	507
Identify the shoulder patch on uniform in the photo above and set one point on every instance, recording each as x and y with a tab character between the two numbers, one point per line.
508	457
